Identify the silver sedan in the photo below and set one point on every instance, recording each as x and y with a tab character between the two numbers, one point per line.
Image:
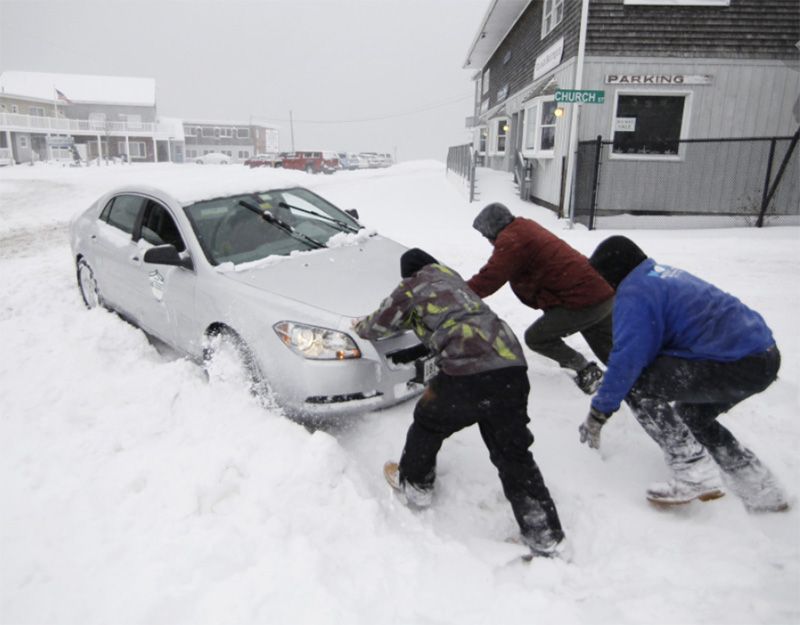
275	277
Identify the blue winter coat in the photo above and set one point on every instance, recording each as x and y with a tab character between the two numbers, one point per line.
662	311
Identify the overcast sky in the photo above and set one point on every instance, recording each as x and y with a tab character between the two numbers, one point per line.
384	75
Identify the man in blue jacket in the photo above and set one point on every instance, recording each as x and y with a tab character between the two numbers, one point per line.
680	339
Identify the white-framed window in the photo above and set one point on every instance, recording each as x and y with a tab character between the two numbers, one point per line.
244	153
649	124
133	121
208	131
191	153
36	111
696	3
138	149
485	82
483	135
540	128
226	132
242	133
22	141
188	131
552	14
498	135
97	121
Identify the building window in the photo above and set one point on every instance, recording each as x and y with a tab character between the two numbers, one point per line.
649	124
22	141
483	134
97	121
188	131
132	121
499	135
705	3
191	153
14	108
208	132
242	133
226	132
485	82
244	153
36	111
138	149
540	128
552	14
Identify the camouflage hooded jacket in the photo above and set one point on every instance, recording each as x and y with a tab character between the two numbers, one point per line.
452	321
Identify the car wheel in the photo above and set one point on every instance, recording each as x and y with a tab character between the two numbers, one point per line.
90	291
228	360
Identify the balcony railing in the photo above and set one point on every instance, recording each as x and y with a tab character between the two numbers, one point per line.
59	125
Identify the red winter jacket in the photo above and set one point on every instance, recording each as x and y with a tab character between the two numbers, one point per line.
544	271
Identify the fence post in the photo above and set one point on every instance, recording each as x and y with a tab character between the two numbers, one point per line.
778	176
763	209
595	179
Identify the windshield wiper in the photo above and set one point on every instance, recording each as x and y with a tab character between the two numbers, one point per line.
328	218
282	225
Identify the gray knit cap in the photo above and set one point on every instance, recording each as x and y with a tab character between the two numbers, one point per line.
492	219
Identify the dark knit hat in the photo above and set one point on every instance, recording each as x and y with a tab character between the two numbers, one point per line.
492	219
615	258
413	260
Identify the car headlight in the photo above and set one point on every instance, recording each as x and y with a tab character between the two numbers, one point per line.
316	343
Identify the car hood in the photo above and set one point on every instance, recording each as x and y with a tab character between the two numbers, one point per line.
350	280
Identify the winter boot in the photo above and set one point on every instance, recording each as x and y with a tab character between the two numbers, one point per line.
696	480
409	494
757	487
589	378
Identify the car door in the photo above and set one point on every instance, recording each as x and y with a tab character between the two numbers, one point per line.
165	293
116	253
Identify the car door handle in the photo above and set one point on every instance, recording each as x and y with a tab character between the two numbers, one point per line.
135	259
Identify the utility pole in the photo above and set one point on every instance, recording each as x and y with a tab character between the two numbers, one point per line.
291	129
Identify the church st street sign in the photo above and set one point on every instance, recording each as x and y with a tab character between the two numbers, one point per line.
580	96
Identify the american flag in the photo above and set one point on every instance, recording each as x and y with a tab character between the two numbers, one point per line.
60	95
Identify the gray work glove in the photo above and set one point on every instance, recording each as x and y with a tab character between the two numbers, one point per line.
590	429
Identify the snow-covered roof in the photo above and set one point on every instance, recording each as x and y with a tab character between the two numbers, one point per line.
80	88
500	17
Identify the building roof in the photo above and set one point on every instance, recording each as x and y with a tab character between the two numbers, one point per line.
80	88
500	17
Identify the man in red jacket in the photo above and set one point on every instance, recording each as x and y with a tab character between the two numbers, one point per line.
546	273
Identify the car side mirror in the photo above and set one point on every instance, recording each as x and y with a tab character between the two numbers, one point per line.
167	255
352	212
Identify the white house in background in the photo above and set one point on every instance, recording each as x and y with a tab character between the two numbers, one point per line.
42	115
239	140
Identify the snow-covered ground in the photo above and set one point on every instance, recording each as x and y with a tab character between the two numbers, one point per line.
133	491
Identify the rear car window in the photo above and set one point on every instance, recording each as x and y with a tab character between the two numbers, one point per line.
123	211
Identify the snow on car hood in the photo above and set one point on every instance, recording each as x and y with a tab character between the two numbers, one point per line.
350	280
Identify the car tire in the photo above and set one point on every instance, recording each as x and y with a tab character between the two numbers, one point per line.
228	359
87	283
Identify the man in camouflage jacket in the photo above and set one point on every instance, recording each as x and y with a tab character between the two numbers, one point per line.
482	379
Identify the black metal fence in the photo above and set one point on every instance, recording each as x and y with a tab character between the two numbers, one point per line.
461	161
750	181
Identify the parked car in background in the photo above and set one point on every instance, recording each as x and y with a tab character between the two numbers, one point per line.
363	161
213	158
386	160
271	159
312	161
349	160
270	278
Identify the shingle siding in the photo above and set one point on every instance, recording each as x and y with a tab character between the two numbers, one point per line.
525	43
753	29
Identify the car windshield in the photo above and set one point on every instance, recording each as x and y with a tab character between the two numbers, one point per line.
230	229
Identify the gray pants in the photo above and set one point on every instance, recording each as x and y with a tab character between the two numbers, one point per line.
546	335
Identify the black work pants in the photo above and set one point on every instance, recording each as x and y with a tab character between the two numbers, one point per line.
498	402
704	389
546	335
